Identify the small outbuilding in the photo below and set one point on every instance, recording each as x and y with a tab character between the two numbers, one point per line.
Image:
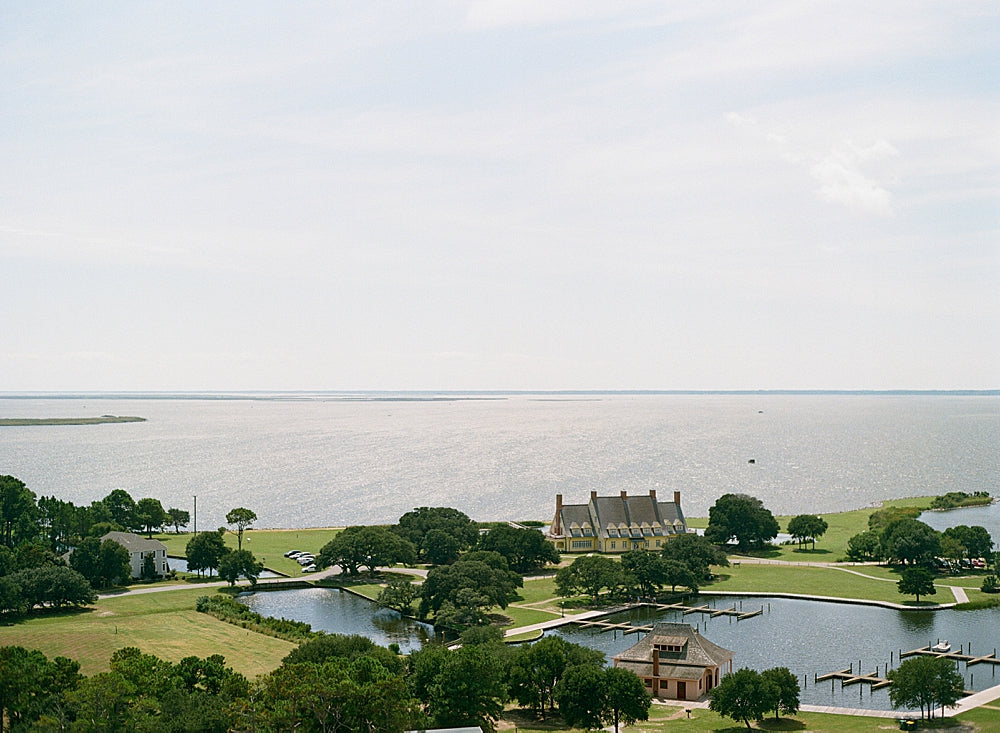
676	662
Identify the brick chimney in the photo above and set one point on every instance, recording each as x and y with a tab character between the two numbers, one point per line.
555	528
624	495
652	495
677	498
593	496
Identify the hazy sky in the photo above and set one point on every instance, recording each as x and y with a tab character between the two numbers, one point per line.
499	195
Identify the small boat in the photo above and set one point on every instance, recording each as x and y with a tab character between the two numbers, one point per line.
941	647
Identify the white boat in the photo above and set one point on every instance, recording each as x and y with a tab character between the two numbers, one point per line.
941	647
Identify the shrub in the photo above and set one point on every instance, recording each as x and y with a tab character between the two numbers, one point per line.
991	584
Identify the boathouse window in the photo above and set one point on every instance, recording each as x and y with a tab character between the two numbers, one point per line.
581	544
672	648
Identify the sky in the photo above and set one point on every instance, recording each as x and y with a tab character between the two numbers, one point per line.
521	195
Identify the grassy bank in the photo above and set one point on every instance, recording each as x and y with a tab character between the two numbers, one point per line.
268	545
164	623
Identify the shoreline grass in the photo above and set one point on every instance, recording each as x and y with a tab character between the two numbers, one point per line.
20	422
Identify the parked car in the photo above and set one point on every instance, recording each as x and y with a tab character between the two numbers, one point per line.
310	568
293	553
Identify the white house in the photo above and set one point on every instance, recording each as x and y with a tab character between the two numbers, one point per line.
138	547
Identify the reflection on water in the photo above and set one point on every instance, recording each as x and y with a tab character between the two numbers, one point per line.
812	638
340	612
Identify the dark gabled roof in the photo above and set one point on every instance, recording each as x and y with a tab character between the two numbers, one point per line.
134	543
574	513
610	510
698	651
670	512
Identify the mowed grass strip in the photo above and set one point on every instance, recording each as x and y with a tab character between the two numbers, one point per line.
165	624
268	545
816	581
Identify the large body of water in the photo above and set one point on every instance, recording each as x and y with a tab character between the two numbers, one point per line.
333	460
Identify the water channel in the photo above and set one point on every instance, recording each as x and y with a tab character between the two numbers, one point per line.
810	638
336	611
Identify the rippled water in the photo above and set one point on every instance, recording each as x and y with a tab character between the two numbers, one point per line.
814	638
329	461
337	611
810	638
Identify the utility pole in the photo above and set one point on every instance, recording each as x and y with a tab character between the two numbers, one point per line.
196	514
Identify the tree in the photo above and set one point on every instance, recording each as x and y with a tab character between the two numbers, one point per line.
743	695
440	548
865	545
925	682
150	513
17	511
916	581
398	594
465	590
115	565
743	518
468	689
975	541
588	574
785	687
910	541
366	547
806	527
28	683
415	524
237	563
581	696
342	646
525	549
242	518
696	552
626	700
647	568
537	668
178	518
204	551
54	586
122	508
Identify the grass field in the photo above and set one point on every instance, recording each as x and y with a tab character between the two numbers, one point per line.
165	624
268	545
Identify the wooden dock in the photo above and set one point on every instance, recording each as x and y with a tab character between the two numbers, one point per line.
705	609
646	628
850	677
969	659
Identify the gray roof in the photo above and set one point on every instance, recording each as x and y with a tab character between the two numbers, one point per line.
699	651
622	512
134	543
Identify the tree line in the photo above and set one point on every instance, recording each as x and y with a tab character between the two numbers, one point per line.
330	683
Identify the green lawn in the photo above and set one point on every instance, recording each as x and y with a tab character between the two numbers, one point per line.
163	623
268	545
820	581
668	718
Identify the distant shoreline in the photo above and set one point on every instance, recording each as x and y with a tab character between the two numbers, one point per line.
12	422
476	395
